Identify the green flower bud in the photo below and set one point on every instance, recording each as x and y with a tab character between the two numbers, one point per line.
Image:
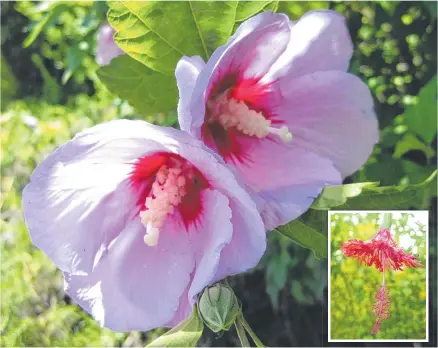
218	307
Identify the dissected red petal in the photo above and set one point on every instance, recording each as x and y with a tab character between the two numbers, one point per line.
380	251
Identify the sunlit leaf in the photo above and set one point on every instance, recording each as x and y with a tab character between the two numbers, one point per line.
389	197
159	33
247	9
185	334
295	9
337	195
146	90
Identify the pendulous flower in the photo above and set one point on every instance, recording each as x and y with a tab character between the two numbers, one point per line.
107	49
380	251
277	104
140	219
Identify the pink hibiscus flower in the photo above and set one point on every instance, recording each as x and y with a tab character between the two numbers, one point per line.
140	219
107	49
277	104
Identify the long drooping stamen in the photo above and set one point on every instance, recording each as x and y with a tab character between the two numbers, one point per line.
234	113
167	193
382	304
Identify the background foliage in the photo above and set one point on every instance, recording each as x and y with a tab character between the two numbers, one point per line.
353	286
51	89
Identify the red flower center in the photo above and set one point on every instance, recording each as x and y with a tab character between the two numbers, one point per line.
236	108
167	183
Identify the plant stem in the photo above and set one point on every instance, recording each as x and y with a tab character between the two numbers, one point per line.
387	221
254	337
241	332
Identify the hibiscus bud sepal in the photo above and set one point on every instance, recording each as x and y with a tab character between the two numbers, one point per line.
219	307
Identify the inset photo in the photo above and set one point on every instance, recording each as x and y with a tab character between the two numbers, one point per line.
378	276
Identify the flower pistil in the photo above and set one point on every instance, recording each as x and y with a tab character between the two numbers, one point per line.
230	112
167	193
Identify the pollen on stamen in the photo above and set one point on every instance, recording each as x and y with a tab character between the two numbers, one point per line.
233	113
167	192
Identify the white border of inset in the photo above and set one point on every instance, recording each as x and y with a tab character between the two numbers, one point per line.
330	271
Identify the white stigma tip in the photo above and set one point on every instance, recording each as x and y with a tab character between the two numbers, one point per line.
285	134
151	236
282	132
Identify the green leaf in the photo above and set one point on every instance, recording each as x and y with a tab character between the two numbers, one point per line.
51	90
185	334
159	33
432	7
247	9
75	55
277	270
421	117
337	195
295	9
48	18
411	142
276	275
416	173
8	82
306	236
389	6
387	197
299	294
146	90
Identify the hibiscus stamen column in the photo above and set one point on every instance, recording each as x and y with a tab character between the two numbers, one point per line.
233	113
167	192
382	302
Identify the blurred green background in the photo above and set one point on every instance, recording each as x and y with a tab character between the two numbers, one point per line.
353	286
50	91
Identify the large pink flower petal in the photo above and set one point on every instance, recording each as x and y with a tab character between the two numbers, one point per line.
247	245
135	286
295	178
272	164
186	72
184	310
332	114
319	41
250	52
208	237
284	204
